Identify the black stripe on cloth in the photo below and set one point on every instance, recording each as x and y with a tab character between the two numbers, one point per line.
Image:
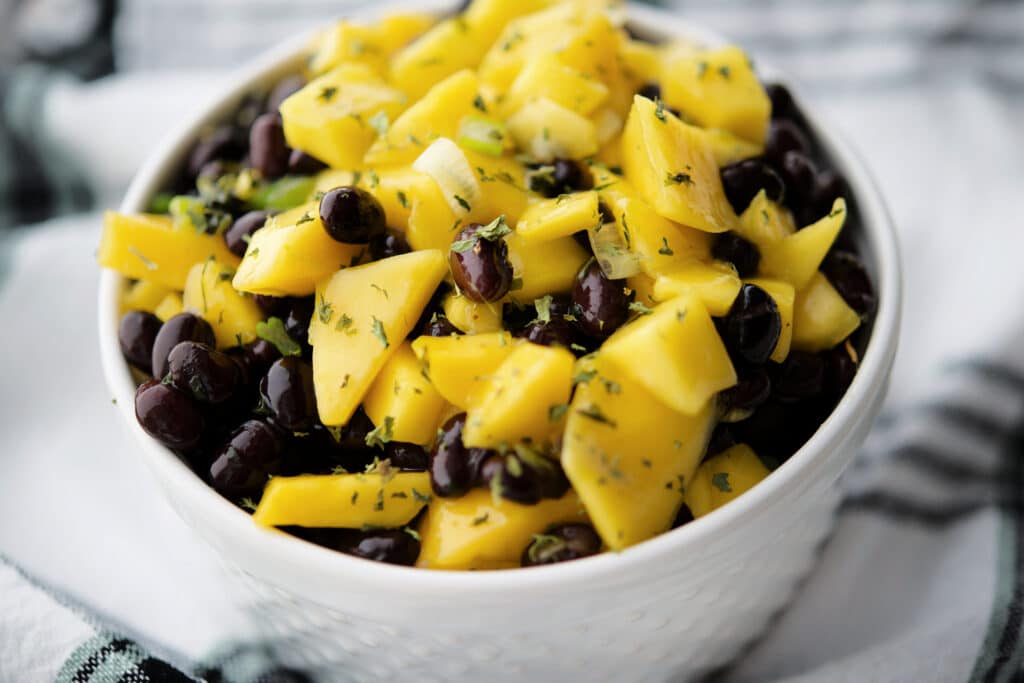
929	515
98	656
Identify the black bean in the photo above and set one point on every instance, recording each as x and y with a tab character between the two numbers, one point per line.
351	215
777	430
439	326
557	332
600	305
562	543
850	278
268	150
524	476
273	305
840	369
208	375
482	270
751	328
785	136
225	143
259	356
393	546
182	327
744	179
408	457
299	316
740	401
320	451
136	334
742	253
453	467
287	391
801	376
353	436
168	415
238	235
302	163
783	105
242	465
388	244
684	516
565	176
282	90
799	174
828	187
651	91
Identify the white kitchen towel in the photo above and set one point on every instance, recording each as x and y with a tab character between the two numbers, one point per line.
924	577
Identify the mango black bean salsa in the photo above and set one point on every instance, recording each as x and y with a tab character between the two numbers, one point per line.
500	289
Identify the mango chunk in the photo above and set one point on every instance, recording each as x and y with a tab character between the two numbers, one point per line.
208	292
796	258
432	223
716	284
718	89
628	455
362	316
727	148
673	168
292	253
144	295
545	75
503	181
346	501
459	366
522	400
436	115
401	392
764	222
784	296
472	317
641	62
724	477
547	130
330	117
559	217
151	247
170	306
821	317
348	42
478	531
544	267
675	353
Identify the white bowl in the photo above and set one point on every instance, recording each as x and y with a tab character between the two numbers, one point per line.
673	607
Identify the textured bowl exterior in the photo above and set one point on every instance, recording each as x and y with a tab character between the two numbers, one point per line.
672	608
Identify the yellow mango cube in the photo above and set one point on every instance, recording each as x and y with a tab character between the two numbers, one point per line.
522	399
347	42
675	353
673	168
562	216
765	222
718	89
544	267
292	253
546	130
472	317
436	115
796	258
628	455
724	477
479	531
641	61
330	117
170	306
459	366
401	392
208	293
432	223
151	247
144	295
821	317
344	501
715	283
362	316
545	75
785	297
728	148
503	184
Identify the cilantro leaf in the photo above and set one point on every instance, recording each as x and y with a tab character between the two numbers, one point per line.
272	331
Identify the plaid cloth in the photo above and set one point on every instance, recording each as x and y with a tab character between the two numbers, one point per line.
923	579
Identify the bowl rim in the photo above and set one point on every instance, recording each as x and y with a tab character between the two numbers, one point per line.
179	481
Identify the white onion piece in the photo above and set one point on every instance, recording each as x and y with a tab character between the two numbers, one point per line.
616	261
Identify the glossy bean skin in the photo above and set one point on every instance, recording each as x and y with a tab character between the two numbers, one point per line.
785	136
287	392
783	104
482	271
224	143
208	375
562	543
301	163
351	215
800	175
168	415
751	328
388	244
268	150
453	467
744	179
408	457
742	253
237	236
136	334
259	356
296	323
740	401
523	477
242	465
565	176
392	546
180	328
848	275
600	305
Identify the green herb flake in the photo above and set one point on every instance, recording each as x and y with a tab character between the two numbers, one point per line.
640	308
324	311
543	306
374	179
382	433
665	249
611	386
379	333
380	122
557	412
584	376
272	331
477	521
248	504
678	179
659	112
327	94
344	323
462	246
355	497
720	480
344	380
594	413
764	217
379	504
145	261
424	498
462	202
380	289
403	200
412	532
306	218
836	212
646	462
478	102
725	71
